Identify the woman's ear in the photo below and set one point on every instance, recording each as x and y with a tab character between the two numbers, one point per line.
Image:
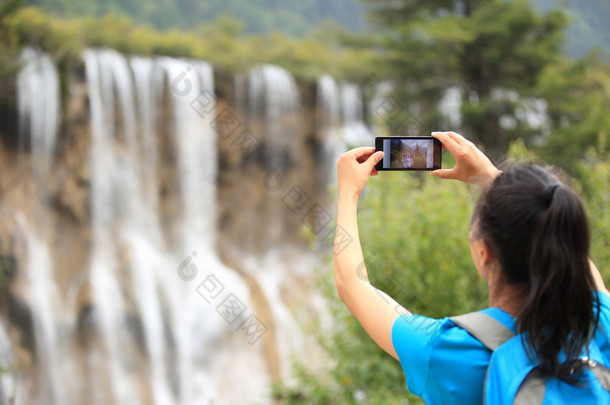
482	257
487	257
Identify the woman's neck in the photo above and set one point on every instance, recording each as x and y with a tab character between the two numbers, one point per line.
507	297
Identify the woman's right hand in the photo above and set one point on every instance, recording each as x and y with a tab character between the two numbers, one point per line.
354	168
471	165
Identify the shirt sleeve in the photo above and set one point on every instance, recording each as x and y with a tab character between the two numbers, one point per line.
412	337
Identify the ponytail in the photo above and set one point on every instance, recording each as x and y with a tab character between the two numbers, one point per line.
537	227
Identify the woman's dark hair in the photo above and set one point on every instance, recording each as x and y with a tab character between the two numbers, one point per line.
537	228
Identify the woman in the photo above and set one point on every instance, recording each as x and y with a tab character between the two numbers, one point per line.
530	242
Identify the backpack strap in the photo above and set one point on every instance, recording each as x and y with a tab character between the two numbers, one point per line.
493	333
484	328
532	389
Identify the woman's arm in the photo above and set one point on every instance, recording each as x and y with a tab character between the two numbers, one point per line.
597	278
375	310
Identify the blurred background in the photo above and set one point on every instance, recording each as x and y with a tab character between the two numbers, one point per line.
167	182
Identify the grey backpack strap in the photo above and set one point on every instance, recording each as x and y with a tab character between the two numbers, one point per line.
484	328
493	334
532	389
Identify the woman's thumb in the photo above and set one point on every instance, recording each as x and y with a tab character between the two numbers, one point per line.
374	159
441	173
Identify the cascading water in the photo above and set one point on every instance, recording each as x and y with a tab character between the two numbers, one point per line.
328	103
340	119
329	123
39	111
273	95
273	91
273	115
180	329
39	108
192	81
7	360
111	178
143	233
355	131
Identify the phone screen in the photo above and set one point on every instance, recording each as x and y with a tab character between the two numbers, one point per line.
409	153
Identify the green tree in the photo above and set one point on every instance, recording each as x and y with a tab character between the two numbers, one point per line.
482	46
578	97
8	48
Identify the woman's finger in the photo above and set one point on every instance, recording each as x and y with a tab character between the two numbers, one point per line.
447	141
459	139
363	152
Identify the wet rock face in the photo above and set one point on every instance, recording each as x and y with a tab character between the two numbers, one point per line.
266	160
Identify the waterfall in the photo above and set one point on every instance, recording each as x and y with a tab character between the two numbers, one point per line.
195	144
38	108
272	115
125	203
7	361
274	91
143	233
193	100
112	179
272	102
140	323
328	123
328	104
340	112
355	131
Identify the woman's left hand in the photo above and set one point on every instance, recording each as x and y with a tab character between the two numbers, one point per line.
354	168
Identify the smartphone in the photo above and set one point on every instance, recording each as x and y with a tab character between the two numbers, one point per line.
409	153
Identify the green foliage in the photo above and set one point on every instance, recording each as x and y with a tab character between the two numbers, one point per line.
223	43
8	47
595	174
414	232
578	97
260	17
588	19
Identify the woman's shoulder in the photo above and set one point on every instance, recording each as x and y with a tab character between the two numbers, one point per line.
440	360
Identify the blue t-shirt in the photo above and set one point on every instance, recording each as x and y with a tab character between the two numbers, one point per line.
444	364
